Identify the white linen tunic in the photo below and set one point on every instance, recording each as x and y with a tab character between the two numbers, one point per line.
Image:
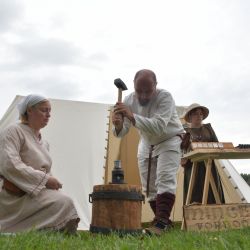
158	125
25	161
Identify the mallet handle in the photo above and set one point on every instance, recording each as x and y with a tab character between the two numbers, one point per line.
119	95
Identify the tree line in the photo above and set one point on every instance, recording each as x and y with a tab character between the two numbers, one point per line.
246	177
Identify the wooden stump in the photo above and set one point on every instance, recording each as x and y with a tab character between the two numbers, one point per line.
116	208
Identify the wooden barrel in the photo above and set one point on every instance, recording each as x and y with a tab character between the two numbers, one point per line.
116	208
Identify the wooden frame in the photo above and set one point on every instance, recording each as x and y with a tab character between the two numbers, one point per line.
208	155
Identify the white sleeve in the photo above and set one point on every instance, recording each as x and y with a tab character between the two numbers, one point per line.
15	170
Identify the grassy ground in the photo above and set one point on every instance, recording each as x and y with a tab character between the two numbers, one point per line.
175	239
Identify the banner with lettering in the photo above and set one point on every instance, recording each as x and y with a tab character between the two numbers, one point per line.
216	217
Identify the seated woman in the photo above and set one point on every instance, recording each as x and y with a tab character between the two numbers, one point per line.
30	196
200	132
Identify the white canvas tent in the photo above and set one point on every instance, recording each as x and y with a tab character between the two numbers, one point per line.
83	150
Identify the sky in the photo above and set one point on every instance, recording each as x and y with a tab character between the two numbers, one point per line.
74	49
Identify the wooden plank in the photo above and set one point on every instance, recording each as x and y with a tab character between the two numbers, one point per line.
208	165
216	217
213	145
191	183
190	188
200	157
202	154
214	189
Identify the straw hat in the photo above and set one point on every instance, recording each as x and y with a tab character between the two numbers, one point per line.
193	106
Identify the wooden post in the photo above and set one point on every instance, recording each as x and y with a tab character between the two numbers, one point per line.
191	183
208	164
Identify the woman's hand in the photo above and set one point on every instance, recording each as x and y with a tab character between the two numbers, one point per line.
53	183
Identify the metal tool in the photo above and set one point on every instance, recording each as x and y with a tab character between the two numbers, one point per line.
117	173
121	87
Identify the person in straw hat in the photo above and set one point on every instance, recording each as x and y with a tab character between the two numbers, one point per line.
30	196
194	116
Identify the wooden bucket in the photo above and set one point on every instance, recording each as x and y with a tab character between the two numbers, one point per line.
116	208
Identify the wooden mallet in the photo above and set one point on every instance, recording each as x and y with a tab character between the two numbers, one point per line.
117	173
121	87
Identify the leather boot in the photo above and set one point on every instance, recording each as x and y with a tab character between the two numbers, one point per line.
153	206
164	205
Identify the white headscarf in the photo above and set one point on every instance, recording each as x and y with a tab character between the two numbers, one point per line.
29	101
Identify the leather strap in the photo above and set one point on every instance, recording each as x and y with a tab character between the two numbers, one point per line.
181	135
116	195
149	168
12	188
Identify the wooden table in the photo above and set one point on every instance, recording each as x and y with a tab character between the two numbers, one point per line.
208	155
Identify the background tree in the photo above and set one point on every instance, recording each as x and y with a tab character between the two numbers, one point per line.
246	177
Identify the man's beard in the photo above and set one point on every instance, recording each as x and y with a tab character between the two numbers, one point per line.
144	102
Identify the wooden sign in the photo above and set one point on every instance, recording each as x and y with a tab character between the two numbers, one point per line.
216	217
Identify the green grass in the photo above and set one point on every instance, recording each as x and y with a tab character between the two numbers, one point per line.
174	239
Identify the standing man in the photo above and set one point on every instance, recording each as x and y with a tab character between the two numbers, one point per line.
152	111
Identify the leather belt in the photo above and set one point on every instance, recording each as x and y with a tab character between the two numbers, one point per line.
12	188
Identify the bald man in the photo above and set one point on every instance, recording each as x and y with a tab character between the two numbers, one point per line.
152	111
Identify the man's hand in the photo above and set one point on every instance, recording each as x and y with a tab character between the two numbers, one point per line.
125	111
53	183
